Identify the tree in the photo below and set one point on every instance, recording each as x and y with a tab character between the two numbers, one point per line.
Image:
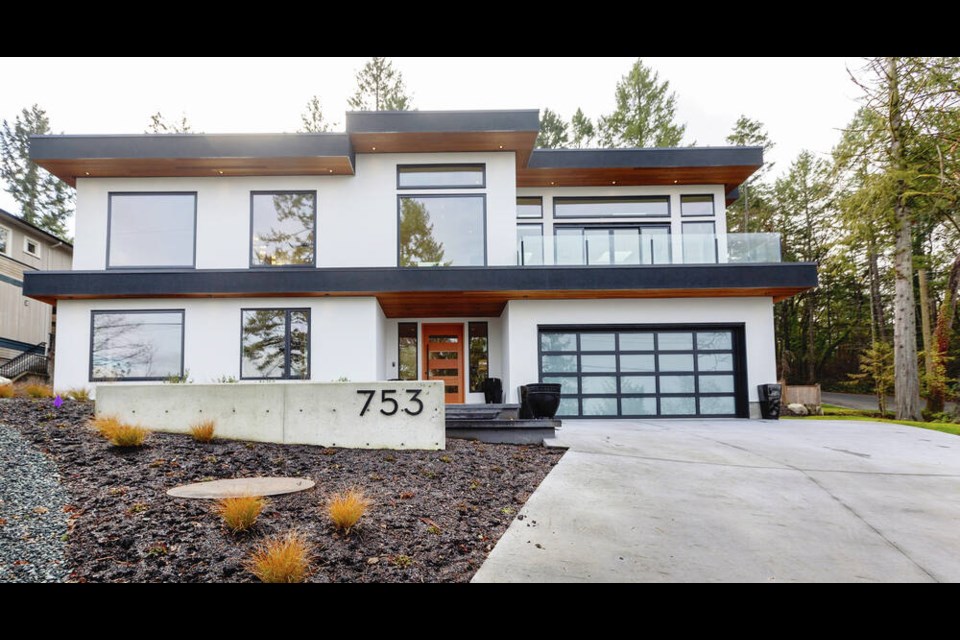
312	118
417	244
380	88
582	129
876	368
749	133
553	131
159	124
645	112
44	200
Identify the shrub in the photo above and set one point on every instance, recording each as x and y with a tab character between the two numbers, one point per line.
346	508
281	559
6	391
226	380
81	394
37	390
203	431
119	434
239	514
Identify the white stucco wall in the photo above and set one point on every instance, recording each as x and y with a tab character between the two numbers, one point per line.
345	336
356	215
521	318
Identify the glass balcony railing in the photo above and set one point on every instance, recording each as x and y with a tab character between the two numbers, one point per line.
633	248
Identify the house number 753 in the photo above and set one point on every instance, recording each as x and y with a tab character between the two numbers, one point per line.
392	406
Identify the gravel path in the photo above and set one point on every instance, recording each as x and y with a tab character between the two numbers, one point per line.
33	523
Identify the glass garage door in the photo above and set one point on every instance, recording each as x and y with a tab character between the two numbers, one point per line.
645	372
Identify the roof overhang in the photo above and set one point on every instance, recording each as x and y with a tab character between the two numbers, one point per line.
728	166
193	155
444	131
435	292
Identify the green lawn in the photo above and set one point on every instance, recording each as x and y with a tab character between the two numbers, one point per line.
839	413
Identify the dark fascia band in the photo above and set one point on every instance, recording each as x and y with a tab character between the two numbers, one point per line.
646	158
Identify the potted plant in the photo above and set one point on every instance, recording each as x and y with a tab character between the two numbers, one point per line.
543	399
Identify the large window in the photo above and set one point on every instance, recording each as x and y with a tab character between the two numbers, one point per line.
441	176
696	205
6	238
136	345
407	350
442	231
613	245
276	344
530	207
479	355
283	227
151	230
612	207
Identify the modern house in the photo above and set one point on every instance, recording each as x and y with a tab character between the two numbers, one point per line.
26	325
418	245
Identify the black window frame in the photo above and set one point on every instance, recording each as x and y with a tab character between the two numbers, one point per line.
564	199
316	235
416	358
483	198
713	205
539	217
286	342
737	349
444	165
183	332
473	364
110	194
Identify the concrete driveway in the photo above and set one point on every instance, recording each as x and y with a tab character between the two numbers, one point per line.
740	501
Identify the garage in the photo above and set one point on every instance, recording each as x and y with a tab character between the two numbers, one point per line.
648	371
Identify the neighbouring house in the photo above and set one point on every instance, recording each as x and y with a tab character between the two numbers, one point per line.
418	245
26	325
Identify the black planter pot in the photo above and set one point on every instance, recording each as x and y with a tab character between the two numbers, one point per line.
525	413
543	399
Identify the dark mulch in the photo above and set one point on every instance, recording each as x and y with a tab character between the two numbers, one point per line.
436	514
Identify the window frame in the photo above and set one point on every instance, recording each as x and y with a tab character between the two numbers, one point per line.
27	240
482	166
416	358
483	198
110	194
542	247
683	245
583	227
316	237
286	342
8	251
713	205
539	217
562	199
183	333
472	363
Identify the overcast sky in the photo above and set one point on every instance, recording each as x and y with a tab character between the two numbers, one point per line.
803	101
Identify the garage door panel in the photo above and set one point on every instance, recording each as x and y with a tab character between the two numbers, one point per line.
638	371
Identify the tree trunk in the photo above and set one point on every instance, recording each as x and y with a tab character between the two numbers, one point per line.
937	387
906	380
876	303
928	348
811	355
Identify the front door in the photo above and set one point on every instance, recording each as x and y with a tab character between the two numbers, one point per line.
443	358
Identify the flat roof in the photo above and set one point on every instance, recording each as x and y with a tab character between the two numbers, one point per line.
443	121
646	157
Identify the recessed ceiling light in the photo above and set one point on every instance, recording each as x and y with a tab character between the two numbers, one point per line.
501	146
675	181
553	183
331	170
220	172
86	173
613	182
374	148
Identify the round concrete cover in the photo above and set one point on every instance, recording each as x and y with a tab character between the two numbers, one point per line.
237	487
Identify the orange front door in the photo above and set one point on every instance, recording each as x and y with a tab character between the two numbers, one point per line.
443	358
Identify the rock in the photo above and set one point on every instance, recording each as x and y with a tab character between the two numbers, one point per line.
797	409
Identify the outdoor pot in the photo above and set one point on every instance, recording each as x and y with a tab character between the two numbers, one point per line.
543	399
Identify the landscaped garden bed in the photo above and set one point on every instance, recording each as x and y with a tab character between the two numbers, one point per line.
434	515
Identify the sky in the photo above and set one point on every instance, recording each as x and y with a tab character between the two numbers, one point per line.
802	101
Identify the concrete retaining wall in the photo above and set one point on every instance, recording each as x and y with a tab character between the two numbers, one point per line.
326	414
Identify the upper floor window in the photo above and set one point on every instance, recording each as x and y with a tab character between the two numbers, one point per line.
441	176
612	207
530	207
151	230
699	242
6	238
442	231
696	205
31	247
283	228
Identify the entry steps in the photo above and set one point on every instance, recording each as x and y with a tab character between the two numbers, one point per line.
497	423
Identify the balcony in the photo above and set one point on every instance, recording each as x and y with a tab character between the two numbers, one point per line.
628	247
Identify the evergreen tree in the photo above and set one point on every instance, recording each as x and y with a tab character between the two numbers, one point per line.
645	112
751	210
380	88
582	129
159	124
44	200
312	119
553	131
417	244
